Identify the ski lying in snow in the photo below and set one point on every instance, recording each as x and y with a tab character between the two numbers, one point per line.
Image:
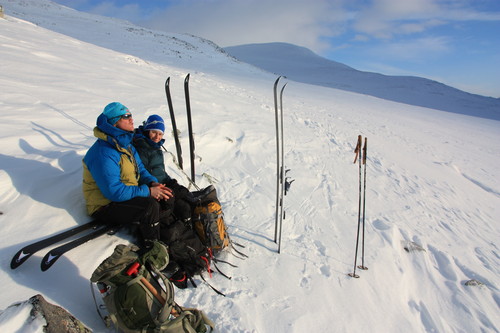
52	256
27	251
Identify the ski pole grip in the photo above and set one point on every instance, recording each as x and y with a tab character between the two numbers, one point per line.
365	147
357	151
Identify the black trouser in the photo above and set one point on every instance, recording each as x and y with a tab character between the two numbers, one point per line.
181	206
143	211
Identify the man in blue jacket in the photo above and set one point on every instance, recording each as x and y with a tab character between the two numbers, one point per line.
116	186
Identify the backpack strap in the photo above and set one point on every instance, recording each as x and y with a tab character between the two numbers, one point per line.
170	305
199	315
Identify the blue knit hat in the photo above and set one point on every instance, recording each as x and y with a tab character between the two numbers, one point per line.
113	112
154	122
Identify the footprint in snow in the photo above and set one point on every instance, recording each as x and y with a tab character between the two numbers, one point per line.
381	225
320	247
325	270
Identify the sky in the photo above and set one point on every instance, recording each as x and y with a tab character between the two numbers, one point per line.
452	41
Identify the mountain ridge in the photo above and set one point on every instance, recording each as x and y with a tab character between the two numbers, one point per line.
303	65
179	50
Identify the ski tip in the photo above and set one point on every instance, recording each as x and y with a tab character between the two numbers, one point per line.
48	261
19	258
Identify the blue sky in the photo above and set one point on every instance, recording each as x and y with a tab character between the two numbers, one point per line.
456	42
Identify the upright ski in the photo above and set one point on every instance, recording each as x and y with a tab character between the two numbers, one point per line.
190	127
282	181
174	125
278	160
285	184
51	257
22	255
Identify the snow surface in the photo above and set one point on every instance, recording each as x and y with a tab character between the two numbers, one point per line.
432	179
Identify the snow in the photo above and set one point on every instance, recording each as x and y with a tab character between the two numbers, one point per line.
432	179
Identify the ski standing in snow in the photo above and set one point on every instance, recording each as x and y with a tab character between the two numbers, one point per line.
190	127
282	181
178	147
174	125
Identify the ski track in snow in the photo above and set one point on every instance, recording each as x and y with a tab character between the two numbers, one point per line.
431	185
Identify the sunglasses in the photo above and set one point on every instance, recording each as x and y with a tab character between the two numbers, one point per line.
126	116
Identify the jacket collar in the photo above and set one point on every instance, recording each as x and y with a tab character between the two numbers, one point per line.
112	135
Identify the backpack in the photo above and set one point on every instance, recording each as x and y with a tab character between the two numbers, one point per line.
208	221
188	255
129	281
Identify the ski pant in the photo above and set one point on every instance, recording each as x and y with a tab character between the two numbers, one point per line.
145	212
181	207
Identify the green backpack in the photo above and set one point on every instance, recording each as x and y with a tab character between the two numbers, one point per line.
139	298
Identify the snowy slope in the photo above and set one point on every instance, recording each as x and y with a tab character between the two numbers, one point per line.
122	36
435	185
302	65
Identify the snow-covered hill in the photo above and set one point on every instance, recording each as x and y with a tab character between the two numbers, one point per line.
432	179
179	50
302	65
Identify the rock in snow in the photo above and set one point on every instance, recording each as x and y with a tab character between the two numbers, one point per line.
40	316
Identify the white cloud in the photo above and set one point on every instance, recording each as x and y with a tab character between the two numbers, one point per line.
109	8
415	50
229	22
387	18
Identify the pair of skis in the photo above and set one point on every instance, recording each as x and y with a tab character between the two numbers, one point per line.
361	158
282	181
174	126
53	255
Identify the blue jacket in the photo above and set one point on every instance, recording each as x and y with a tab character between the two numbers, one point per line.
112	169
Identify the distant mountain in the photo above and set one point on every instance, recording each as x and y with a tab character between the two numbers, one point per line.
297	63
302	65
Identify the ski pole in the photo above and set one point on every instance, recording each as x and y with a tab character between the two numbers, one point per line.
362	266
358	152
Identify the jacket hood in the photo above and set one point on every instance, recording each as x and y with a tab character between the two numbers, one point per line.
113	134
